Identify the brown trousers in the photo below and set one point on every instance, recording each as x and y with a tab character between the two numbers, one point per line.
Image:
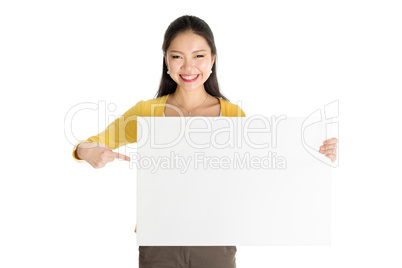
187	257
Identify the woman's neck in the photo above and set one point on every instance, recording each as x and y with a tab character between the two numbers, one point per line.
190	99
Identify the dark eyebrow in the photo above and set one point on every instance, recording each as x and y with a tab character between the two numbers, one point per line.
195	51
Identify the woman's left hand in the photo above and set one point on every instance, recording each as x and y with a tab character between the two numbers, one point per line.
329	148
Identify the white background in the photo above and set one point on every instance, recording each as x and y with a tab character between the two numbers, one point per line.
277	57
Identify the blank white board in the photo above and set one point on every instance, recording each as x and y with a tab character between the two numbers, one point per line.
231	181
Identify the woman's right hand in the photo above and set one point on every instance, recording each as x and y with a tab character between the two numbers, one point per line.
98	154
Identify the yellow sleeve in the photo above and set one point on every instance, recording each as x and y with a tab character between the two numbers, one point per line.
233	110
237	111
120	132
76	158
242	113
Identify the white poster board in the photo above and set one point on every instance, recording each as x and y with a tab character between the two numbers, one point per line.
204	181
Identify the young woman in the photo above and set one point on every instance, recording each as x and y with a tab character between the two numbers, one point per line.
189	87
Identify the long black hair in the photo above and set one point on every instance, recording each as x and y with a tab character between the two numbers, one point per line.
193	24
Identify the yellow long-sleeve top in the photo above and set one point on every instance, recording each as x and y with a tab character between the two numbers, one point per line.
123	130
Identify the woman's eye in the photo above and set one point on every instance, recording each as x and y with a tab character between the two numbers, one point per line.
177	57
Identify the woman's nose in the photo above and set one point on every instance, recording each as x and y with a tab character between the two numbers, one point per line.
188	64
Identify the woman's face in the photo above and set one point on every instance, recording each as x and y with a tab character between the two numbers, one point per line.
189	61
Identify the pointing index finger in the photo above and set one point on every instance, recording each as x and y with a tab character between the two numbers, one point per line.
121	156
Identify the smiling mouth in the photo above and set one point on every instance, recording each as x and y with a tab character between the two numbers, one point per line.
189	78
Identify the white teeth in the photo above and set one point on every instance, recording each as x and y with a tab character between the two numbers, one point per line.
189	77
